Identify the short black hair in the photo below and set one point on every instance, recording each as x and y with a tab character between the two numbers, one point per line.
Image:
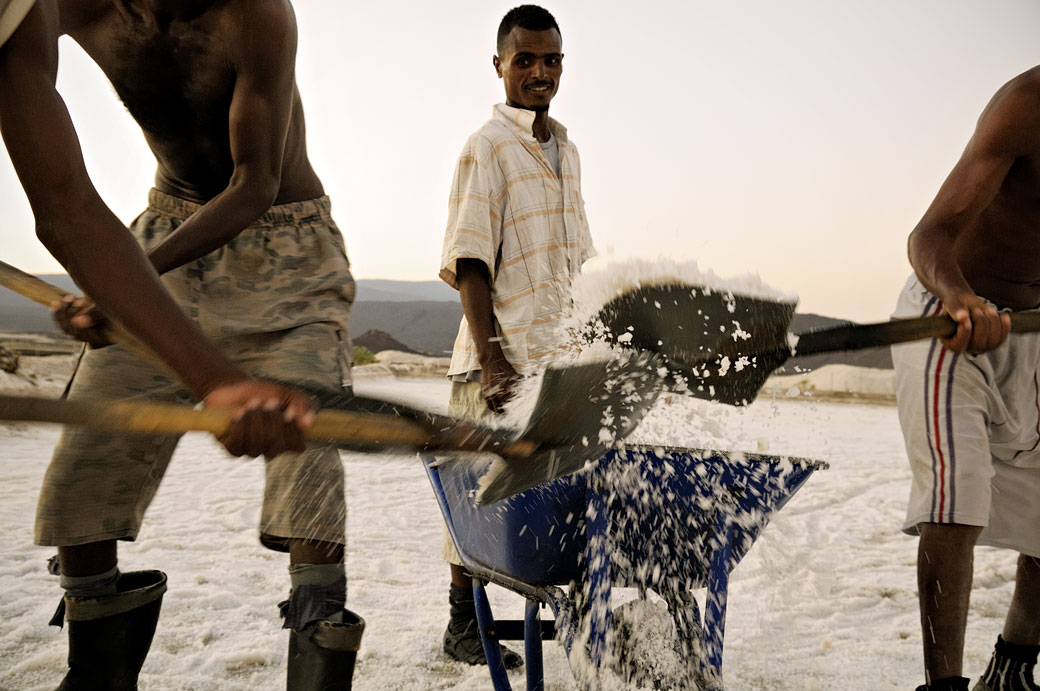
530	17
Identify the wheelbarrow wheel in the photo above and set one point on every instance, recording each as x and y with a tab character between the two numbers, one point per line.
648	653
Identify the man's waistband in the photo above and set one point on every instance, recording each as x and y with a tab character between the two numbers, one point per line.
279	215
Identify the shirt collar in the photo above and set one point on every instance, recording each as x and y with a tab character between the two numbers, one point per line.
521	121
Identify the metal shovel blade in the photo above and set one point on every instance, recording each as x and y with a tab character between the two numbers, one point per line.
717	345
580	411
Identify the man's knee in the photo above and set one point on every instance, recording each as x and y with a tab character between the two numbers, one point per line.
953	535
314	552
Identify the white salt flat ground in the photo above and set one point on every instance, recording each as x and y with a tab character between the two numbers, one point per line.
825	599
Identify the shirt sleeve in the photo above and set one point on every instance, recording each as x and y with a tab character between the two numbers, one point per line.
474	223
587	248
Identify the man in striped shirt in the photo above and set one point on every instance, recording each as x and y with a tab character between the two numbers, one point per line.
516	237
969	405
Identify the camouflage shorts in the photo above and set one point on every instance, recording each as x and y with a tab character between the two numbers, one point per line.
277	299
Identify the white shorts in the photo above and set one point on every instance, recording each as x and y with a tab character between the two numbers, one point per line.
971	424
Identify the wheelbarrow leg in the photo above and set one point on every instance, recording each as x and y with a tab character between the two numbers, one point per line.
689	644
718	583
599	576
533	647
492	650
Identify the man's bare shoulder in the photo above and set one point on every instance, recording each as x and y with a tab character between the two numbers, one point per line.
77	14
266	17
256	29
1015	104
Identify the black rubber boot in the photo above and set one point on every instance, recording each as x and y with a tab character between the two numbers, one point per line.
946	684
109	636
322	655
462	637
1010	668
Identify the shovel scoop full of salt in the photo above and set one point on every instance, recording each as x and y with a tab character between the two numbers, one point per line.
581	410
720	339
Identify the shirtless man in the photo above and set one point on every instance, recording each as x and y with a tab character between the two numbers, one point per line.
102	257
240	229
967	404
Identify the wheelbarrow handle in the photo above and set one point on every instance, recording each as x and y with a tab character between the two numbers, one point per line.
43	293
860	336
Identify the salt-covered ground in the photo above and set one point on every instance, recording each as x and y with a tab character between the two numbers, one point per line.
824	600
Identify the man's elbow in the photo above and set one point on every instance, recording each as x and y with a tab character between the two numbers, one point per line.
53	236
257	192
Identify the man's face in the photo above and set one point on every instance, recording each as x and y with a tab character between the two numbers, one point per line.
530	66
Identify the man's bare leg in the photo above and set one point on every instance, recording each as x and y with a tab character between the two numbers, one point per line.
1022	626
945	559
90	559
459	577
313	552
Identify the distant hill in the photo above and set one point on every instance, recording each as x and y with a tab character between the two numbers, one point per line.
377	341
20	314
429	327
382	290
423	316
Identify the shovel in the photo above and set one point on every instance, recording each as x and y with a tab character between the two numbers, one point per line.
723	346
43	293
580	410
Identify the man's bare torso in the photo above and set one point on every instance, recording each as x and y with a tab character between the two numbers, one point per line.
999	253
176	75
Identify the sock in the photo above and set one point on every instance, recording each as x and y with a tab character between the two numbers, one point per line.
949	684
1017	653
91	586
319	592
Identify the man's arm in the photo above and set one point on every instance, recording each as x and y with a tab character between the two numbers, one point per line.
497	376
999	139
98	251
261	105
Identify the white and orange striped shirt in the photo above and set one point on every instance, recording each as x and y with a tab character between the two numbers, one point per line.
509	209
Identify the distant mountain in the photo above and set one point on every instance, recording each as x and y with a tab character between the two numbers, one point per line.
377	341
20	314
429	327
424	316
382	290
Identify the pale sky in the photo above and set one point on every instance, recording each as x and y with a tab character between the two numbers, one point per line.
798	140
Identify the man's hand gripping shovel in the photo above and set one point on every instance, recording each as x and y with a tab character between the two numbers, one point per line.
722	346
580	411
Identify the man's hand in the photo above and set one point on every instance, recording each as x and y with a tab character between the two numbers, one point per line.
81	319
980	327
497	380
268	419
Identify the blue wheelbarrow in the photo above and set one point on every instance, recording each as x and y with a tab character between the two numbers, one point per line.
665	520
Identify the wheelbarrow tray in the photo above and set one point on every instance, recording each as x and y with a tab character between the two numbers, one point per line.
657	518
662	500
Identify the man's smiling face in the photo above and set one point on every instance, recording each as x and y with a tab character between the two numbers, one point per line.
530	64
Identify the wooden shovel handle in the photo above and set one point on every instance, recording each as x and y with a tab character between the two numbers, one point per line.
860	336
43	293
349	428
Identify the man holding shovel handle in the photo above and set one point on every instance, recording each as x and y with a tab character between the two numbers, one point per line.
102	257
968	402
241	231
